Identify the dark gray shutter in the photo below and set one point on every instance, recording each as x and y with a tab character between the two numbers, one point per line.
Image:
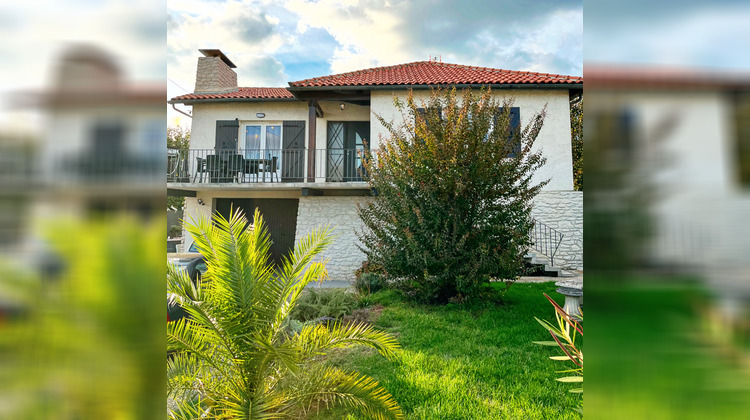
421	115
293	153
514	132
226	134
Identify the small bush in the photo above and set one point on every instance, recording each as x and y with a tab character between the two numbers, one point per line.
368	283
315	304
369	267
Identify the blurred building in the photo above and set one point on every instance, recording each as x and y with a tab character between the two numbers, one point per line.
682	138
102	148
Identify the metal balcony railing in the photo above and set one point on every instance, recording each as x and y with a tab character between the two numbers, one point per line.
264	165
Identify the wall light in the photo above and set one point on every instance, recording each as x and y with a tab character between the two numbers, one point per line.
200	201
260	115
342	107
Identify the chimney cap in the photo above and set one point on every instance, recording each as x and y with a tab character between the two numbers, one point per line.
218	53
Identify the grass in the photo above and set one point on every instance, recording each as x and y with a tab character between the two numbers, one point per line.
469	363
651	359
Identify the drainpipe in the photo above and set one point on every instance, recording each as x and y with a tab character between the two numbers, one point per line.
181	112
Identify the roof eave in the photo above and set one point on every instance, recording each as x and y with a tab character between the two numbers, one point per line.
567	86
208	100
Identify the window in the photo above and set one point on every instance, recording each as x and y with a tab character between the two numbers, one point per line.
742	133
152	136
263	142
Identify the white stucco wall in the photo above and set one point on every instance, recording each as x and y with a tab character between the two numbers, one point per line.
68	131
341	213
203	134
553	140
698	205
563	211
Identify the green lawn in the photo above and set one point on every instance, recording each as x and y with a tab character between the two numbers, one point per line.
650	358
460	363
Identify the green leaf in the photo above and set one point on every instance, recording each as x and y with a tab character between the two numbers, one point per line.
571	379
563	358
546	343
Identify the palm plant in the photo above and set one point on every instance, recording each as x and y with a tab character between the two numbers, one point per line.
234	356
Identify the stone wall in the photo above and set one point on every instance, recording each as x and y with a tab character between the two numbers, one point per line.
214	76
563	211
341	213
560	210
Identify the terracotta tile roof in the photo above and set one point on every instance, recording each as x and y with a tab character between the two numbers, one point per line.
241	93
606	76
432	73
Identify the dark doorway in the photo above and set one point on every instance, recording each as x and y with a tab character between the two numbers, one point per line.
279	214
347	141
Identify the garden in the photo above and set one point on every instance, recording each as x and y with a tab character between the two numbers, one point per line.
436	326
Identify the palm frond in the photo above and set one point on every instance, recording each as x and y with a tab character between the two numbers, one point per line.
328	387
233	348
315	339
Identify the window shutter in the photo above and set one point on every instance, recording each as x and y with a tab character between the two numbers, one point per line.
422	113
293	155
515	127
226	134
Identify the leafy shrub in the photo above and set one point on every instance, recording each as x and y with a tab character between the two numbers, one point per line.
369	282
454	195
369	267
316	304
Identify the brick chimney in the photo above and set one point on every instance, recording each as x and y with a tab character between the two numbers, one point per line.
215	74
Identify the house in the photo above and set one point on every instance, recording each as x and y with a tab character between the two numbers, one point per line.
687	131
102	151
294	152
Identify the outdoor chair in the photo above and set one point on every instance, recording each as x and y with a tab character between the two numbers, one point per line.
200	168
213	167
272	168
235	166
251	167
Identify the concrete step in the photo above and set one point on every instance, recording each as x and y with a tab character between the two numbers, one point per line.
541	266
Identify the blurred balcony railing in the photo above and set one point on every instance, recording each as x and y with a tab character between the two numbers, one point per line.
264	165
84	168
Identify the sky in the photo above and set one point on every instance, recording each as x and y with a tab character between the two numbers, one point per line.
36	34
275	42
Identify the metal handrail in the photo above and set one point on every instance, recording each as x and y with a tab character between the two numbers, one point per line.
546	240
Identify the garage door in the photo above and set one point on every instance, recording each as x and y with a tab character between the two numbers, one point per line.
279	214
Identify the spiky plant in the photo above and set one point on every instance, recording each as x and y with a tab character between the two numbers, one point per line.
234	356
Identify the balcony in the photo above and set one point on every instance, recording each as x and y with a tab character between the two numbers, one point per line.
265	166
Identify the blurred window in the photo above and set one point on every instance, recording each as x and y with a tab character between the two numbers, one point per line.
742	131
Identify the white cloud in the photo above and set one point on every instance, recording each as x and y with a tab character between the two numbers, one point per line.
368	36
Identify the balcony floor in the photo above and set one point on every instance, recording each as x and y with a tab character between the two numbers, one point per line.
362	187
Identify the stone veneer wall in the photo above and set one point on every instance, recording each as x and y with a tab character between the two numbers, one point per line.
563	211
560	210
341	214
214	76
